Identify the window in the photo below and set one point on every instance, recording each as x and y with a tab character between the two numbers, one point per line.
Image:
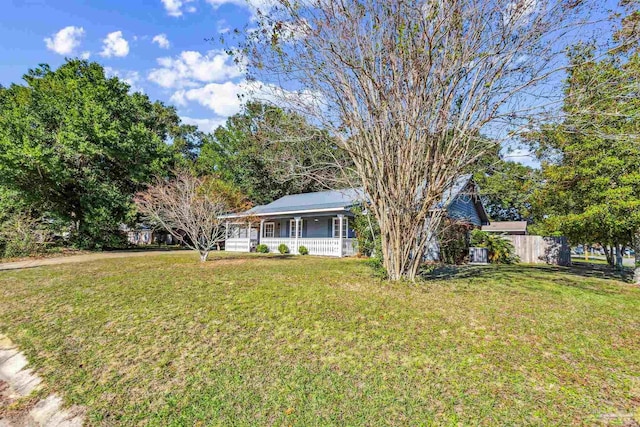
269	229
336	227
292	228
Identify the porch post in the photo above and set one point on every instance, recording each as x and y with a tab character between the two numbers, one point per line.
261	230
248	237
340	218
297	232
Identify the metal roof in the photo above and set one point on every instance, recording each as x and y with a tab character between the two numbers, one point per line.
506	226
340	200
317	201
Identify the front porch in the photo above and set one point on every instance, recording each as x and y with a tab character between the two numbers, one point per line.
324	235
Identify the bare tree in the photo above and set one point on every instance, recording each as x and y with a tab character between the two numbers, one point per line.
409	88
191	208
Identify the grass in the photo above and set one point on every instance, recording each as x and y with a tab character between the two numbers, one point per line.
268	340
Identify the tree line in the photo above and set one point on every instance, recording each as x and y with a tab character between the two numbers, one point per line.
394	97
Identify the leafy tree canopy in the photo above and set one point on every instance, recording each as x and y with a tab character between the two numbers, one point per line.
76	144
506	187
267	153
591	160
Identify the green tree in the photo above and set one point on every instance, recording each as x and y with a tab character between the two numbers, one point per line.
591	161
268	153
507	188
78	145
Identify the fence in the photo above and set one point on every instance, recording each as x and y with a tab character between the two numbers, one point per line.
541	250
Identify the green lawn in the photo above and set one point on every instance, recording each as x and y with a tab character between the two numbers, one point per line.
266	340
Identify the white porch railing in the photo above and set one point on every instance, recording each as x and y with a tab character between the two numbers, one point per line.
317	246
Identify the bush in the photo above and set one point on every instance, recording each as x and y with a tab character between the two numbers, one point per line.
501	250
302	250
367	233
22	235
262	249
454	242
283	249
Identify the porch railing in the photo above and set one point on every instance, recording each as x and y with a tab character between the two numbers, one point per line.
317	246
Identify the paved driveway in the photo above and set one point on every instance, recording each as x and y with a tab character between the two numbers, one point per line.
83	258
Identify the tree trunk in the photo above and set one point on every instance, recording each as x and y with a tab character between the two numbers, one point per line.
608	252
402	250
618	256
636	248
204	255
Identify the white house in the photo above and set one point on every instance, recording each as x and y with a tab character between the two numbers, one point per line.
323	222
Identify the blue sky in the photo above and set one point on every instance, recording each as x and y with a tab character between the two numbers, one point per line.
158	46
169	49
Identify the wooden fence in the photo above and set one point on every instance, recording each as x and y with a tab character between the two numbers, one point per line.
541	250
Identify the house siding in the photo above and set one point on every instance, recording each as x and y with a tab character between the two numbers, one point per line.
316	228
311	228
463	209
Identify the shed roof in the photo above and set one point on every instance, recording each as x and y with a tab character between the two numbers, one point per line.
506	226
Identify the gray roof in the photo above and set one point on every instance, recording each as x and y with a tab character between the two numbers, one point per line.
321	200
338	200
454	190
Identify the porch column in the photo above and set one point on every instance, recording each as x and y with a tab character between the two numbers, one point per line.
340	218
248	237
295	250
261	230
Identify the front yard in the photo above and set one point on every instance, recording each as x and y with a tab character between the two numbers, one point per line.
267	340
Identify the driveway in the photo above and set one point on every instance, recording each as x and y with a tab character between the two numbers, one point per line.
17	265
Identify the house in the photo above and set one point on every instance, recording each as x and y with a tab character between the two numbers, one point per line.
142	235
511	228
323	222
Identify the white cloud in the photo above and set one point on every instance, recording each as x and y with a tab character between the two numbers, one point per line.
263	5
518	12
205	125
175	7
521	155
162	41
85	55
65	41
225	99
132	78
114	45
191	68
221	98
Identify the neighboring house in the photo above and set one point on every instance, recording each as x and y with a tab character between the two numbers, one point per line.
512	228
323	222
141	235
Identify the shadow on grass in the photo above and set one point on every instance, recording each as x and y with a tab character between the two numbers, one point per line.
134	249
587	270
220	256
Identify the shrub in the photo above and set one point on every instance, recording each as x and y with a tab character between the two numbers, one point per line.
367	233
262	248
283	249
501	250
22	235
454	242
302	250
